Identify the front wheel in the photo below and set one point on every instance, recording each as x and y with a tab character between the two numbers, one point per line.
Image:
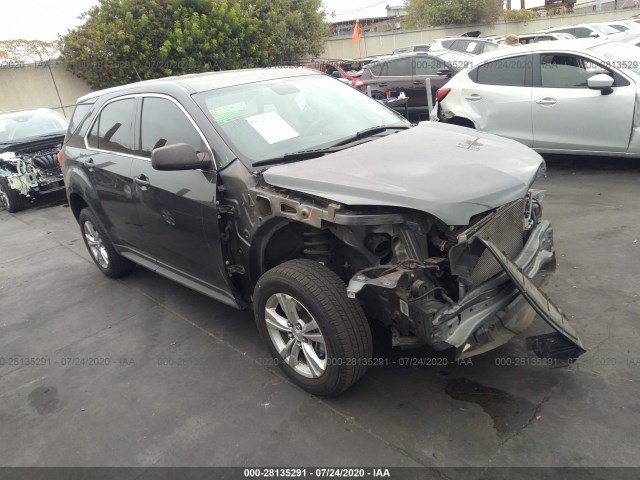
318	336
10	199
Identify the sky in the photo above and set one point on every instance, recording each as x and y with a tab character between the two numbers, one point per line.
45	19
40	19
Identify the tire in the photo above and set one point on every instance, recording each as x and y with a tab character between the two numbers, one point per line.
9	198
325	360
100	248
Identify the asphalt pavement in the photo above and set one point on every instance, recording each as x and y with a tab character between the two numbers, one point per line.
144	372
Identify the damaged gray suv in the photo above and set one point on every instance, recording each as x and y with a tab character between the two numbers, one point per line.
325	212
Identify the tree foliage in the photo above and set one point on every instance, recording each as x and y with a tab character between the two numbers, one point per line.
28	51
519	15
423	13
122	41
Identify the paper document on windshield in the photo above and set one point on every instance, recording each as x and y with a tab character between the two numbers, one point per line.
272	127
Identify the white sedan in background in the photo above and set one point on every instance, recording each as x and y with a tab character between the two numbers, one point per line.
572	97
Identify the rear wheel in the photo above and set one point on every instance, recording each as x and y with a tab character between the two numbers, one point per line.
100	247
10	199
318	336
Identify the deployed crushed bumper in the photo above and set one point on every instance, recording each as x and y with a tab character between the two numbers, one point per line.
491	314
494	311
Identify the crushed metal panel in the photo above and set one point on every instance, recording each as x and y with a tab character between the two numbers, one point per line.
544	307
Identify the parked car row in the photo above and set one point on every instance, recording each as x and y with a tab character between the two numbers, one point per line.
408	73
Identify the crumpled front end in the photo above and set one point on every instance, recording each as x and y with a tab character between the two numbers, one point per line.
479	287
30	174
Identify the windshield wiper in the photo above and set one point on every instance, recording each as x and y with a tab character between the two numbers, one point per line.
297	156
369	132
309	154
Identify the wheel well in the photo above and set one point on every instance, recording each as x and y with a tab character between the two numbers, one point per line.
461	121
77	203
284	241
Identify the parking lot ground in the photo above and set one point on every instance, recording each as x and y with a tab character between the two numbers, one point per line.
144	372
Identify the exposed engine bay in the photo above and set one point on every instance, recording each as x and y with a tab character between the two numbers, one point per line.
30	170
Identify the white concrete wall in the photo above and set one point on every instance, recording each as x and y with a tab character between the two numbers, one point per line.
40	85
386	42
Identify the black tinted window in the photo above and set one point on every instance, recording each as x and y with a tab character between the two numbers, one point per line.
508	71
427	66
581	32
399	68
163	123
112	130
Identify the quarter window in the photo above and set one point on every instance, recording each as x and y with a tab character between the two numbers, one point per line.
112	130
163	124
508	72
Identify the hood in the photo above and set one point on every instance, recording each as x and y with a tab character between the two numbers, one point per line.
448	171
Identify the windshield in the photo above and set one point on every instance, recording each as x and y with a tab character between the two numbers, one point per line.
270	119
18	126
620	55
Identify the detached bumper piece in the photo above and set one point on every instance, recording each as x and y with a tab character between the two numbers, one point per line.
563	345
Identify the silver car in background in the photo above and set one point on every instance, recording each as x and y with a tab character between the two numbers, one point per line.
574	97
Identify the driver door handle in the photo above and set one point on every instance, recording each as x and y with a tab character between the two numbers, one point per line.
546	101
142	181
474	97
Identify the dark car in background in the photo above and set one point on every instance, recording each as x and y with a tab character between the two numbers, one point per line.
29	144
408	73
349	70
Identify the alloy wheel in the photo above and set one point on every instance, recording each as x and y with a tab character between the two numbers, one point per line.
296	335
96	245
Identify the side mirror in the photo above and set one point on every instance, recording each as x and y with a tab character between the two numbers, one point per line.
178	156
601	82
444	71
594	35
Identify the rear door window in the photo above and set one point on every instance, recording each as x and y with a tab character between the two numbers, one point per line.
508	71
113	128
399	68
